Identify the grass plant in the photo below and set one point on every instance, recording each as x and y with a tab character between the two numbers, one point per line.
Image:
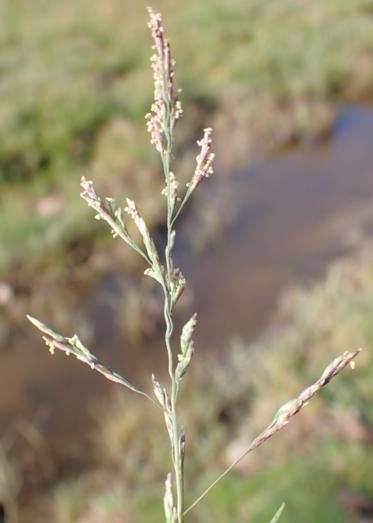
165	112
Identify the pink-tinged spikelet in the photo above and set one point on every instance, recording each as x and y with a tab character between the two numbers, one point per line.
166	107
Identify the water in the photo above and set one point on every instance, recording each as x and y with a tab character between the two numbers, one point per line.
285	220
296	213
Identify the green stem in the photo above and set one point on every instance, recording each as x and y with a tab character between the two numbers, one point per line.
166	285
185	200
219	478
175	440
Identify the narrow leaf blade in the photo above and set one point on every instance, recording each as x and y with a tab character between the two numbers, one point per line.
277	516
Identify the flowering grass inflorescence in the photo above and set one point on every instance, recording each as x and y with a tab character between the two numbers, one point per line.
165	111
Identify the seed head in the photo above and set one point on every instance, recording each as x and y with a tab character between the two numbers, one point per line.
166	107
204	158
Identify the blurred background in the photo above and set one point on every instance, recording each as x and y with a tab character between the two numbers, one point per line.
276	247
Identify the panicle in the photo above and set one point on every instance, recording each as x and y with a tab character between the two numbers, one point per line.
166	107
204	158
89	194
292	407
155	25
105	207
72	345
186	346
150	247
171	188
132	211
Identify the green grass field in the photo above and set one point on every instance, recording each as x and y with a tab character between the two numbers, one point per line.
76	83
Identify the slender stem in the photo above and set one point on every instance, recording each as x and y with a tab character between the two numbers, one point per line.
175	440
210	487
181	206
166	285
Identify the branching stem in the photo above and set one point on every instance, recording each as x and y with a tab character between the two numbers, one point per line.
164	112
